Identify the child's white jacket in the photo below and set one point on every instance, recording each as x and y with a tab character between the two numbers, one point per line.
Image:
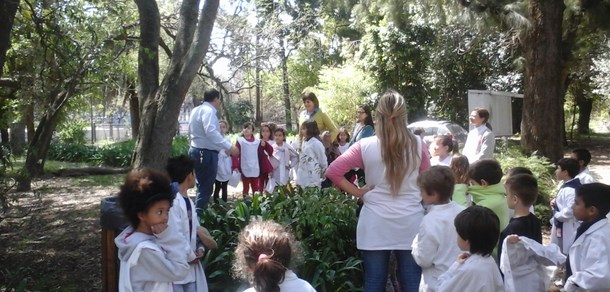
476	274
590	259
524	264
434	247
178	218
287	158
312	164
565	200
150	262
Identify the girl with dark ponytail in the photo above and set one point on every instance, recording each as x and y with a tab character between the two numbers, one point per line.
264	255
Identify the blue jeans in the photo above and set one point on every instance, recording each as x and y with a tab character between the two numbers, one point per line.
206	166
376	270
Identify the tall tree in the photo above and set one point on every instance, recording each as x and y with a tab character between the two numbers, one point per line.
60	47
8	10
548	42
160	102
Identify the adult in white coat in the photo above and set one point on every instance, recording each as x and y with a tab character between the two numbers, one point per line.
481	140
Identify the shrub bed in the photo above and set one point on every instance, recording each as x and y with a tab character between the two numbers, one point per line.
113	155
323	221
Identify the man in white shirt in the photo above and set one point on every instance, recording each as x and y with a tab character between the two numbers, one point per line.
206	142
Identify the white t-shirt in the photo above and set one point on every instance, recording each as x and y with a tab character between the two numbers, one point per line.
387	222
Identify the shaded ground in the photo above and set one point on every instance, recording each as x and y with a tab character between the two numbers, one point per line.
56	247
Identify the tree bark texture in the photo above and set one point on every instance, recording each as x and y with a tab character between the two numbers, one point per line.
134	109
17	138
160	104
585	107
543	115
285	84
8	10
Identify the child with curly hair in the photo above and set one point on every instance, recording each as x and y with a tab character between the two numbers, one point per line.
152	253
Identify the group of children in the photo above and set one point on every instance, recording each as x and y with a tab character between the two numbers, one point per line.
473	199
477	235
269	161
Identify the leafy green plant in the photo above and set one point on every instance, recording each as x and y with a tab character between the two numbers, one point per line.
324	222
15	280
72	132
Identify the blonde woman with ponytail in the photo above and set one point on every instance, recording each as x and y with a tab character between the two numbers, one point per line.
390	217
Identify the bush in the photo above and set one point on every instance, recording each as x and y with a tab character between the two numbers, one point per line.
71	152
113	155
72	132
323	221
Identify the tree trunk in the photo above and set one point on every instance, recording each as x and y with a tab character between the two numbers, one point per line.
4	136
585	107
542	125
41	140
134	109
258	116
8	10
18	138
160	105
28	118
285	84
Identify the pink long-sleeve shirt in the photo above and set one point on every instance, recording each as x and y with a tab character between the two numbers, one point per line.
352	158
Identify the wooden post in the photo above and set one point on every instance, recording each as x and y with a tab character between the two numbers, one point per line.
110	261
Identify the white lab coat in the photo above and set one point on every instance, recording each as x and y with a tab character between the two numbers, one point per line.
525	263
178	217
480	144
434	248
590	259
312	164
565	200
287	158
585	177
476	274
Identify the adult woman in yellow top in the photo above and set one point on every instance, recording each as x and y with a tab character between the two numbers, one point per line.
312	111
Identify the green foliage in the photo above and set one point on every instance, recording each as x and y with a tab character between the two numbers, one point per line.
15	280
463	59
72	132
323	221
341	90
397	58
113	155
511	156
241	112
117	154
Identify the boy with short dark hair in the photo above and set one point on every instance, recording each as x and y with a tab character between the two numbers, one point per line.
564	223
583	156
486	189
434	247
478	229
522	191
588	265
184	217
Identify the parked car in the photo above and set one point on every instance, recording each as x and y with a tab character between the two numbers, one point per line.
433	128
